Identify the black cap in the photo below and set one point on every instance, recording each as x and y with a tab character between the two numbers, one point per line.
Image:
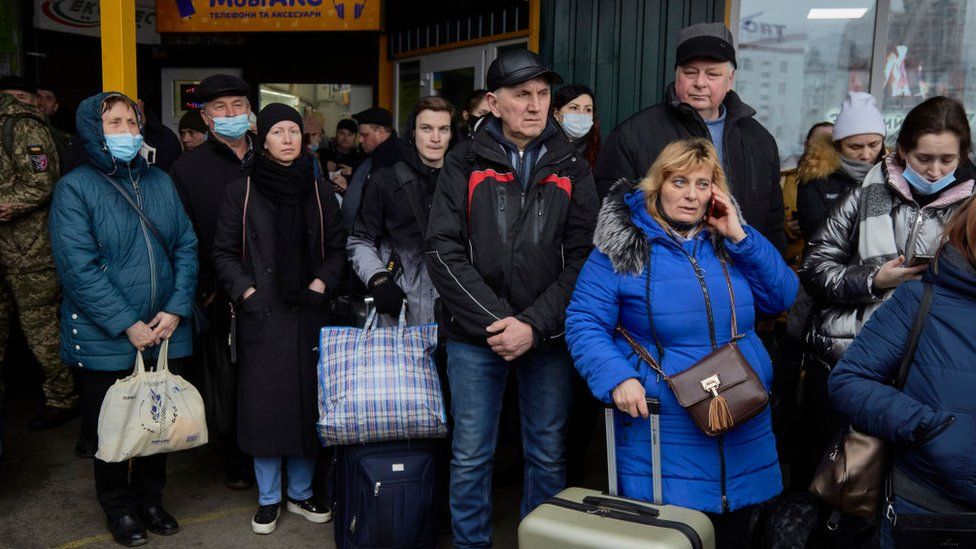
14	82
273	113
705	40
220	85
193	121
348	124
517	66
375	115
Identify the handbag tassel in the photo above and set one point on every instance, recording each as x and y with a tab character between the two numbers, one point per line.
719	416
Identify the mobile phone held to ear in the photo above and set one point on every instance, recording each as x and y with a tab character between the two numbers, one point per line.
715	210
921	260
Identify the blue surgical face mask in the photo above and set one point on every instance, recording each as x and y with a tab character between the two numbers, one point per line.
232	127
577	125
123	146
922	185
313	147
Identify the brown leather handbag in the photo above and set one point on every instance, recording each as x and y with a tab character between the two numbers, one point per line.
851	476
719	391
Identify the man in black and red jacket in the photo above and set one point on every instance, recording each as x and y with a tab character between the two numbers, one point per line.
511	224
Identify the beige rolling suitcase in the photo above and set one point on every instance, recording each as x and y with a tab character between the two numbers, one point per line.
578	518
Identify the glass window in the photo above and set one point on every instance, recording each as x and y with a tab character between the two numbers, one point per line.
820	52
928	53
408	91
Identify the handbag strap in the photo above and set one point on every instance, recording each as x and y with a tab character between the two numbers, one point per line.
142	215
641	351
700	276
906	360
899	382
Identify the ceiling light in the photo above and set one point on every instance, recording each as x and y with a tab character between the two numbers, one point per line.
836	13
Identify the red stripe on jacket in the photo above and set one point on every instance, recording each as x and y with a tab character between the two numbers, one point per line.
478	177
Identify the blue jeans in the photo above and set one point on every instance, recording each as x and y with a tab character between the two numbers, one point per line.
477	378
267	471
900	506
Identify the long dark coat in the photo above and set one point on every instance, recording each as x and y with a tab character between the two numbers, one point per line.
276	342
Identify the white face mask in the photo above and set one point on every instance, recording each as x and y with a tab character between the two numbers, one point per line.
577	125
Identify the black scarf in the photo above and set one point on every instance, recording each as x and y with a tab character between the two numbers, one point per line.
288	187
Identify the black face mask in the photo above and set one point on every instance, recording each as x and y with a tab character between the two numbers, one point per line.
680	226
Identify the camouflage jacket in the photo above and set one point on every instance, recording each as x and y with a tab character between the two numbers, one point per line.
27	178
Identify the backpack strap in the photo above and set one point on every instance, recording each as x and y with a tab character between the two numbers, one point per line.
7	130
407	179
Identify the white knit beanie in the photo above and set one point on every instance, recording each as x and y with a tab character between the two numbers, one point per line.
858	115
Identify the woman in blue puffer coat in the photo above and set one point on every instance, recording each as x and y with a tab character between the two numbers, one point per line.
124	290
932	420
646	239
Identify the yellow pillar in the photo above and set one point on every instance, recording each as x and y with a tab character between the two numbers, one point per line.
384	90
119	46
535	24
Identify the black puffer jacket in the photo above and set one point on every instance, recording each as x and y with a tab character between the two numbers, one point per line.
820	181
498	250
751	156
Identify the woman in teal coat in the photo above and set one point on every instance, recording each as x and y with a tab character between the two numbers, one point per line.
127	286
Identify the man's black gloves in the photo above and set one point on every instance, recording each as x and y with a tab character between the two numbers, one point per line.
387	296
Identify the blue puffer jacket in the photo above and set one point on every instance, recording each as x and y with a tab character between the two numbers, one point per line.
113	270
697	470
933	420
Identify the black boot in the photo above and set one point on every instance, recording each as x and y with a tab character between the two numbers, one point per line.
159	521
128	531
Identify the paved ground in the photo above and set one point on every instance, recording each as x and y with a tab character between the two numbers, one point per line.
47	499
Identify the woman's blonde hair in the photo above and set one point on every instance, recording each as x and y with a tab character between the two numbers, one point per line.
681	156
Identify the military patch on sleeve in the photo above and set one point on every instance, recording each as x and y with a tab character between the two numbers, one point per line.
38	159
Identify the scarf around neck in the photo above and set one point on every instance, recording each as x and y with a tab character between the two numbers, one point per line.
288	187
855	169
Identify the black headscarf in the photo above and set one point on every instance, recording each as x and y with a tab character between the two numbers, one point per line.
287	187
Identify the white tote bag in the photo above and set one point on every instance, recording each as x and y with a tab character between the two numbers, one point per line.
150	413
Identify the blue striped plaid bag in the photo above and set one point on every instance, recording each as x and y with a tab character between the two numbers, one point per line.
379	384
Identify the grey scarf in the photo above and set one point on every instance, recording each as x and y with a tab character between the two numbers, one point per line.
855	169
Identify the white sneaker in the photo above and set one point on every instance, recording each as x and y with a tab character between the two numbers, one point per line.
308	509
266	519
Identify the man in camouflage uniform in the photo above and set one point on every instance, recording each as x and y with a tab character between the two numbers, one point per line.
28	283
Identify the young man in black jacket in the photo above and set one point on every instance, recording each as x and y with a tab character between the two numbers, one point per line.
511	225
701	103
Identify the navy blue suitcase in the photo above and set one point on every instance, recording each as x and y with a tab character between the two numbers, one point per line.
385	495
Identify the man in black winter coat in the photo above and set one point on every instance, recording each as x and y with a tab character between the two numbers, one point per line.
511	224
701	103
201	177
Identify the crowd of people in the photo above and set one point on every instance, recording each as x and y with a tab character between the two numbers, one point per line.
590	270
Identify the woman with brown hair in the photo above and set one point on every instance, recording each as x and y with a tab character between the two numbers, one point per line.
931	421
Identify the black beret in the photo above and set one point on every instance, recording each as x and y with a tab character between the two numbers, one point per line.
375	115
14	82
220	85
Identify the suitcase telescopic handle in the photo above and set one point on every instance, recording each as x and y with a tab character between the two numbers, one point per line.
654	410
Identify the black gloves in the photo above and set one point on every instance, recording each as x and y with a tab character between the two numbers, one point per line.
387	296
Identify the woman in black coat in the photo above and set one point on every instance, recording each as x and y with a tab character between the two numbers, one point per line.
279	280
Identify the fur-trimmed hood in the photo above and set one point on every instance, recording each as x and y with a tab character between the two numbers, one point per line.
818	161
625	230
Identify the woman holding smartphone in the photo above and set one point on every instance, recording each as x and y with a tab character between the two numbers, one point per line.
876	236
